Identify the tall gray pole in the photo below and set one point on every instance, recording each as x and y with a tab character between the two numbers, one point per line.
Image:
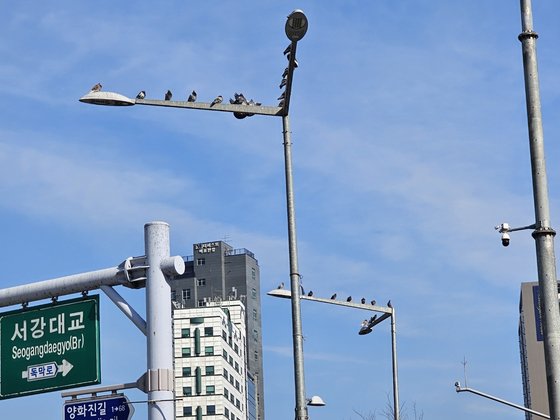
396	407
301	406
543	234
159	376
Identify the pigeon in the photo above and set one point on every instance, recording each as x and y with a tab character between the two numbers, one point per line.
373	302
310	293
141	94
192	97
372	319
168	95
349	298
365	323
281	103
288	49
282	96
281	285
363	301
285	72
253	103
333	296
389	304
218	100
96	88
283	83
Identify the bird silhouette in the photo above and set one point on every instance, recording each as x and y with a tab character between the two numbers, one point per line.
283	83
96	88
282	103
363	301
333	296
373	302
282	96
168	95
286	70
389	304
218	100
288	49
192	97
372	319
281	285
349	298
310	293
141	94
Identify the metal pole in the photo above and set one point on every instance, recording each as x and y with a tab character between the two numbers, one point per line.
159	375
396	409
301	406
543	234
491	397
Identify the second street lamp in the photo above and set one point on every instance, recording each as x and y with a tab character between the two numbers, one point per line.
295	28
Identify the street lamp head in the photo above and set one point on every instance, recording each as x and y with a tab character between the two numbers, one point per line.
296	25
281	293
366	329
106	98
315	401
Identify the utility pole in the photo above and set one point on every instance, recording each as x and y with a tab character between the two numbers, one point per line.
543	233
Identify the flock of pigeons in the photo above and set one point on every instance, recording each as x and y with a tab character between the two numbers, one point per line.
238	98
333	297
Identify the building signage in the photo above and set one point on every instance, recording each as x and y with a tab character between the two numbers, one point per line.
206	247
49	347
111	407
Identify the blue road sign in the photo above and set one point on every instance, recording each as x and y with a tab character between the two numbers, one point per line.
110	407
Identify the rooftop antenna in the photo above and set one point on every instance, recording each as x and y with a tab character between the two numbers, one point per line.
464	363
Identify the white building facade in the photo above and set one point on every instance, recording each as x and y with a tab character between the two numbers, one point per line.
210	348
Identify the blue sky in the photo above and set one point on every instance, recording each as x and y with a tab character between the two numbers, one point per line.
410	145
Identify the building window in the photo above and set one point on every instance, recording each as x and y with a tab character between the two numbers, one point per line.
186	294
208	331
224	353
186	352
187	371
201	282
174	295
210	389
225	373
237	384
201	302
209	350
237	366
200	261
254	293
209	370
187	391
226	393
185	332
210	410
236	347
255	314
256	355
253	273
187	411
255	335
224	335
226	412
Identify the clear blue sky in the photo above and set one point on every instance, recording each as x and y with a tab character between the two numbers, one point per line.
410	145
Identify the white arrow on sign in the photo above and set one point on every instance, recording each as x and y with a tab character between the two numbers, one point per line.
46	370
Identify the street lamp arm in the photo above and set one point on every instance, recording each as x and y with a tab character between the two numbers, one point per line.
458	388
385	310
244	109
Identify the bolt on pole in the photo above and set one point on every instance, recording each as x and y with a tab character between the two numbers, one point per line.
543	233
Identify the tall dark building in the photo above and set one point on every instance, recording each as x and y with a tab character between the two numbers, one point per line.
217	272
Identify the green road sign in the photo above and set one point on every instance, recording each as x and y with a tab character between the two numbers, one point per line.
49	347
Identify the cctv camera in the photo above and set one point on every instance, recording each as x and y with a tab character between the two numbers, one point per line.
505	239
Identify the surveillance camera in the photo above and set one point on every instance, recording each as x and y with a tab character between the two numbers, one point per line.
505	239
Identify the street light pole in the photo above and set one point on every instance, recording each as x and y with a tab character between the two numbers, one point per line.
543	233
387	311
295	29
